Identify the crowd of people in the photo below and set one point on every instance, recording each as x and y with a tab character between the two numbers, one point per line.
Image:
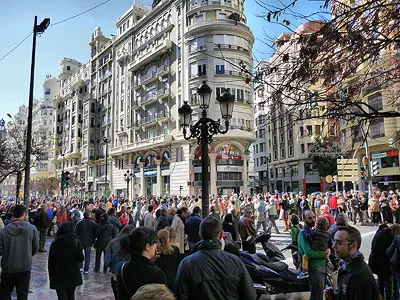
163	245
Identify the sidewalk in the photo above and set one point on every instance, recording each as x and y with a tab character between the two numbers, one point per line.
96	286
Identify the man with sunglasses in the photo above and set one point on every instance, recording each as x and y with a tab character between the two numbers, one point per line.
355	280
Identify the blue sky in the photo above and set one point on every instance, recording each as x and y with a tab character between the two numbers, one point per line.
70	39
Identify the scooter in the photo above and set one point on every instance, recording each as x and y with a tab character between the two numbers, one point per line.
269	274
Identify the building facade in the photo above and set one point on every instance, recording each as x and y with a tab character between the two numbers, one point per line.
287	132
122	106
43	129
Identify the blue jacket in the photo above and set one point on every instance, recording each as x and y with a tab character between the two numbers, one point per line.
192	228
113	260
49	212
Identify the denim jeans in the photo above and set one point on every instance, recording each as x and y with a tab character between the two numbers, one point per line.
99	252
317	282
87	251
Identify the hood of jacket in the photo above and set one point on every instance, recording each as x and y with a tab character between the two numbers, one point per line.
211	244
17	228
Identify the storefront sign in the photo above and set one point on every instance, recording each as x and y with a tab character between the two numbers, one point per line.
229	168
378	155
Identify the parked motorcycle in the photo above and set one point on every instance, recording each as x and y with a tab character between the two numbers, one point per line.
269	274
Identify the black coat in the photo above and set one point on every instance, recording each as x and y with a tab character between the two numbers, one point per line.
192	227
229	227
65	257
356	282
169	264
86	229
211	273
105	233
162	222
43	221
378	260
138	272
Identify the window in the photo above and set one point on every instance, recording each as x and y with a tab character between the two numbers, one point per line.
282	137
275	154
283	153
47	92
179	154
220	69
375	101
317	129
332	130
68	68
377	128
302	149
309	130
290	134
291	152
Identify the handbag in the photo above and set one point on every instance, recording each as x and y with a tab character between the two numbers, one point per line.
123	280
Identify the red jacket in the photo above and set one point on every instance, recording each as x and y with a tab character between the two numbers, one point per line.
124	219
333	202
330	218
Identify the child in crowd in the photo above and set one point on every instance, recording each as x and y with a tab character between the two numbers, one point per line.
295	228
319	241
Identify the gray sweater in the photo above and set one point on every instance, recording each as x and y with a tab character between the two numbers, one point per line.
19	241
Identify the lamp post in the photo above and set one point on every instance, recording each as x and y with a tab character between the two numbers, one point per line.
267	162
204	129
106	141
37	29
62	179
128	178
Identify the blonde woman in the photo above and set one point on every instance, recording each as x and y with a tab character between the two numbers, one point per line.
169	256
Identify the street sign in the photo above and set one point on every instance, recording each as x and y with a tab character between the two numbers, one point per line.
348	169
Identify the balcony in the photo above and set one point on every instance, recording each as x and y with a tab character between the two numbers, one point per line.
149	77
150	98
163	93
148	120
162	70
230	47
199	74
217	24
229	72
137	62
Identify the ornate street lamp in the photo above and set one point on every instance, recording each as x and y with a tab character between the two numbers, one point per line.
128	177
204	129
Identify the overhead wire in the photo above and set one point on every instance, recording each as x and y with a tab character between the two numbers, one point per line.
54	24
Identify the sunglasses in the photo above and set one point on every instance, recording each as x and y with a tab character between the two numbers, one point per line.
340	243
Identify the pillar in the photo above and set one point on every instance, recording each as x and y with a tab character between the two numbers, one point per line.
142	179
245	175
213	173
159	178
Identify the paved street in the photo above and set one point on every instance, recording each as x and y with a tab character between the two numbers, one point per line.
96	286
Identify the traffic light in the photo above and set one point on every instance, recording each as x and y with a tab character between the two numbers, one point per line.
391	143
65	179
374	168
364	173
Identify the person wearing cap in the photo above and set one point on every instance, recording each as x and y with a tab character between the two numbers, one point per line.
247	230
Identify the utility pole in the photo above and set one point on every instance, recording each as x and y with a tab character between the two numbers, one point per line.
36	29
